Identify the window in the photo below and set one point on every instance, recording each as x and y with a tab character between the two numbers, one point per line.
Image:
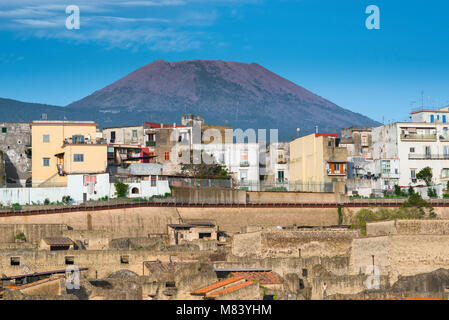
385	164
167	156
412	150
15	261
445	173
153	181
46	138
4	130
46	162
243	176
444	119
69	260
151	137
124	259
134	134
203	235
304	272
244	156
112	136
413	173
280	176
336	168
329	143
78	157
77	139
432	118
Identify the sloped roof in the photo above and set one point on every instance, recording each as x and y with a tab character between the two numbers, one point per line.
262	277
58	241
217	285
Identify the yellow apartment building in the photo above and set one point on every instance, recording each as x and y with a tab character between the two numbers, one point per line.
60	148
317	158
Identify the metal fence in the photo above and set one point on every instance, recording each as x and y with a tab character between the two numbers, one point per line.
192	182
320	187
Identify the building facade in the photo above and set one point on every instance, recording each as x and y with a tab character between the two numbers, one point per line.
317	160
61	148
402	149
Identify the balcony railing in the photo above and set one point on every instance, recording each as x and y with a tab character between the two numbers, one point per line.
431	156
151	143
419	137
244	164
389	175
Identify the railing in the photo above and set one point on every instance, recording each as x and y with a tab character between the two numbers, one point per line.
286	186
427	156
192	182
423	137
150	143
244	164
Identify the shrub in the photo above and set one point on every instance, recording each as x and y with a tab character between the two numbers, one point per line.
47	201
121	189
66	199
21	236
16	207
431	193
414	208
445	195
410	191
425	175
340	216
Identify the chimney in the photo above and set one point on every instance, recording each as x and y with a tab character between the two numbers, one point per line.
316	129
174	124
162	125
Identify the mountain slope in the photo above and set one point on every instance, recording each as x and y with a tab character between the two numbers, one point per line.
243	95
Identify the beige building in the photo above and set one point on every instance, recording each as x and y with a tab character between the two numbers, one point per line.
60	148
317	158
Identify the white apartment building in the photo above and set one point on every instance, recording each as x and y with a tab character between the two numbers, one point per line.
276	166
401	150
240	159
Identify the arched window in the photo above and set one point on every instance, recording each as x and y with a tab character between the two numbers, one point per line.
135	190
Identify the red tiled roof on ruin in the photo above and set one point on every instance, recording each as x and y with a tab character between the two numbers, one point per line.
262	277
230	289
216	285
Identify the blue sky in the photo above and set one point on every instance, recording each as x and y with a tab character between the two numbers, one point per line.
322	45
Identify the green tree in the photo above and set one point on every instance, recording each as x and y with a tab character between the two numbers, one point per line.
121	189
410	191
425	175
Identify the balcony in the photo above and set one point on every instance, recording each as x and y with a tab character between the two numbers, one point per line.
244	164
151	143
419	137
431	156
389	175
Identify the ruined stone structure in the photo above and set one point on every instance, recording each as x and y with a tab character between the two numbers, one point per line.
15	145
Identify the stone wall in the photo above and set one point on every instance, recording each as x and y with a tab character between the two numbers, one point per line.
293	197
300	243
33	232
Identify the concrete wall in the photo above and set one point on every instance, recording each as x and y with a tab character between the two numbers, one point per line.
209	195
137	222
294	197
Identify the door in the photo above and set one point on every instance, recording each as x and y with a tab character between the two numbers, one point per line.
428	154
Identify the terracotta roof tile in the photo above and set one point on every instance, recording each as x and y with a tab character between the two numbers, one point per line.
229	289
262	277
216	285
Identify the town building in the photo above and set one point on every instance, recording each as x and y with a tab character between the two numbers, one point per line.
15	144
275	169
402	149
430	116
62	148
317	161
360	167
